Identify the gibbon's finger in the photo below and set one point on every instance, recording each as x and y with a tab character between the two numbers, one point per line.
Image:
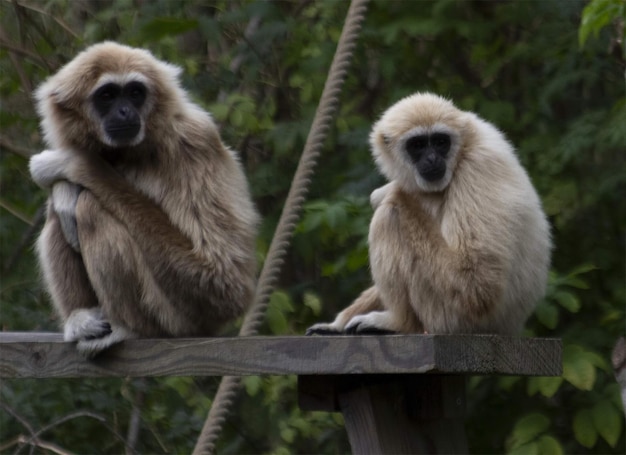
91	348
323	329
85	323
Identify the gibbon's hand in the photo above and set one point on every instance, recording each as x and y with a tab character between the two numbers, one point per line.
377	196
50	166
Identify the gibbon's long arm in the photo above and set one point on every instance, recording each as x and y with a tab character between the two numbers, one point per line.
64	196
168	252
466	281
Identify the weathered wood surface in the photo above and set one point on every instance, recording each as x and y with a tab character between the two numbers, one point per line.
46	355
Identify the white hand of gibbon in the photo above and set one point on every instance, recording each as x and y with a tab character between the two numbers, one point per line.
377	196
50	166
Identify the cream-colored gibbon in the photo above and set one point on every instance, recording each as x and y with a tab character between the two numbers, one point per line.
150	228
458	242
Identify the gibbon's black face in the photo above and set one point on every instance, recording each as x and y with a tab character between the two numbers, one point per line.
119	109
428	153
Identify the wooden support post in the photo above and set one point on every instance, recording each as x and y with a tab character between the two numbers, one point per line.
393	414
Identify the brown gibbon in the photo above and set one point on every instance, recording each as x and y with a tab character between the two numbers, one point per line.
458	242
150	228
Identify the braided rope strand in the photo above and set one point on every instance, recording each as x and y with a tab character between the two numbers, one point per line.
327	107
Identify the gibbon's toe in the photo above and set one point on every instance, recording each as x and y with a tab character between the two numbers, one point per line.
359	330
373	323
90	348
103	330
323	329
85	324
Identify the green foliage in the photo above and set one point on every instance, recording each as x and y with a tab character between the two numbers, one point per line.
539	70
529	437
600	13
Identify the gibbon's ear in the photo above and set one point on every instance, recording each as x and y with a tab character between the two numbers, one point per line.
172	72
56	93
386	139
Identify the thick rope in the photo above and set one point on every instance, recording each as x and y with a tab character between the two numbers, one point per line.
229	385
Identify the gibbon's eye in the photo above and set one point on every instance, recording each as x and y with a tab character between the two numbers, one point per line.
105	97
440	139
136	92
107	93
441	142
417	143
416	146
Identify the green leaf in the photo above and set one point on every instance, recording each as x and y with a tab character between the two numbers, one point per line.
597	360
336	216
277	321
596	15
279	304
532	386
547	314
577	369
527	429
219	111
507	382
548	386
313	302
527	449
281	300
608	421
312	221
252	384
582	269
568	301
288	434
549	445
584	429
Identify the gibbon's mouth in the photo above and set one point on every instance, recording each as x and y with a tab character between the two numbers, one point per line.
124	133
432	174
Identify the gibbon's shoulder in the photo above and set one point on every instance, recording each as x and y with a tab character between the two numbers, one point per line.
489	152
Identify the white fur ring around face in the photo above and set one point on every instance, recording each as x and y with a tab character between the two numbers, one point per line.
49	166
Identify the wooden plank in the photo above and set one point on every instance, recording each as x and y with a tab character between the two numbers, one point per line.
46	355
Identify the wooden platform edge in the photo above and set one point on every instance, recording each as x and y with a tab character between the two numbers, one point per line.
46	355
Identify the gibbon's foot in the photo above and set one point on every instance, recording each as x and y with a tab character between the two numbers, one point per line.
330	329
323	328
374	323
86	324
90	348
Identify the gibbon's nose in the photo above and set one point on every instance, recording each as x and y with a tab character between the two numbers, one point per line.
123	111
431	158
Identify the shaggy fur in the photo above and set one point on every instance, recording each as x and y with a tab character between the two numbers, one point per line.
165	227
468	253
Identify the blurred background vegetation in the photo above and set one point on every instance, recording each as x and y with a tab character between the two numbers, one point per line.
550	74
